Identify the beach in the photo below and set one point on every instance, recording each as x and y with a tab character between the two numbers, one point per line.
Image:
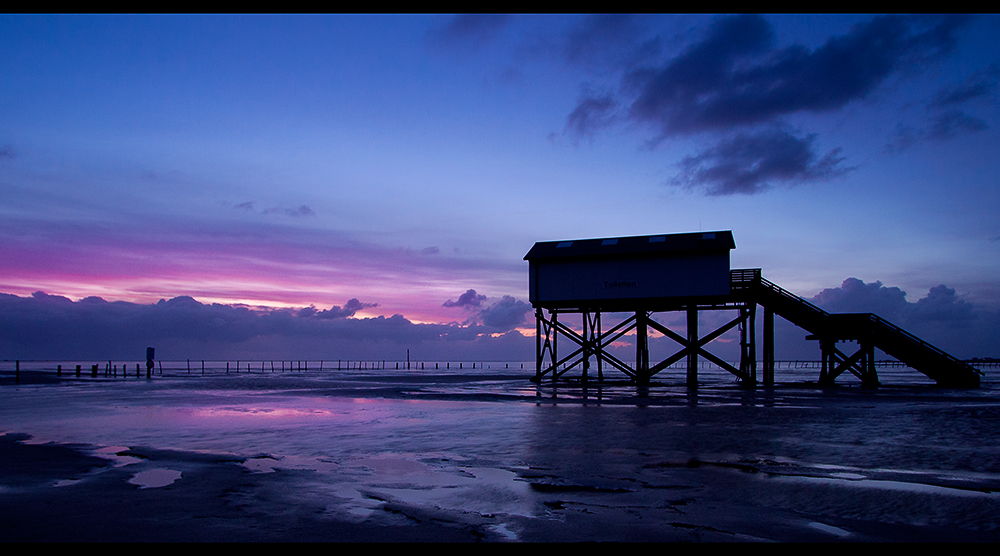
462	456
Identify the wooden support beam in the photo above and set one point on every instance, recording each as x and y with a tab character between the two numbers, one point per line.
692	331
768	354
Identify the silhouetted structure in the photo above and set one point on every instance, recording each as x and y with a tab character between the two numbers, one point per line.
643	275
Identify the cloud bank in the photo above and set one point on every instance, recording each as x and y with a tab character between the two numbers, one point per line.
46	326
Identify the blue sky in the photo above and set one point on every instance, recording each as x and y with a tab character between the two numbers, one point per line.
292	161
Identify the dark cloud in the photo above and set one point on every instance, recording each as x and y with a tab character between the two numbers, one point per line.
468	299
736	77
942	317
947	112
301	210
750	163
470	30
610	40
351	307
944	125
7	152
980	85
591	114
506	314
502	315
952	123
433	250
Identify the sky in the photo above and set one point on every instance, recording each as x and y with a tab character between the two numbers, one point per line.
355	185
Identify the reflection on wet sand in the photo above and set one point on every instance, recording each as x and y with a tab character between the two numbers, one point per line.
487	457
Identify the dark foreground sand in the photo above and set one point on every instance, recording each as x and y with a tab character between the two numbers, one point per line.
220	500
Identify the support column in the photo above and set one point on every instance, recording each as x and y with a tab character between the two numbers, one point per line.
692	330
748	344
868	364
768	347
587	338
641	349
829	361
751	325
552	351
539	318
598	350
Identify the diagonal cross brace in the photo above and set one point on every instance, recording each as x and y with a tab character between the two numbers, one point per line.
697	346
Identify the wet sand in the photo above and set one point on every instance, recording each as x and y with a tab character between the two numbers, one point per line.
473	458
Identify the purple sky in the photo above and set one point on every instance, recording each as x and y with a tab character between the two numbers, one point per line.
357	185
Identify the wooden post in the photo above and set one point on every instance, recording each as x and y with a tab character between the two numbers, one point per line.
692	330
641	349
768	347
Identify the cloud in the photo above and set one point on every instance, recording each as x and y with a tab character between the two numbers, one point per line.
433	250
7	152
737	85
351	307
468	299
466	30
736	77
952	123
749	163
591	114
506	314
947	112
609	40
942	317
301	210
980	85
